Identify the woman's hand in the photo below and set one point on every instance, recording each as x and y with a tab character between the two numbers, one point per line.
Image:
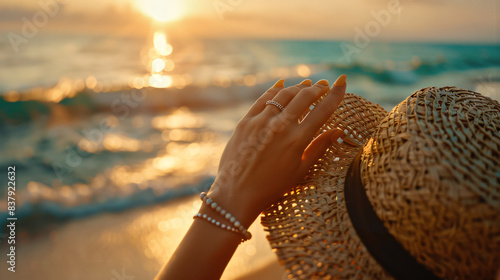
270	151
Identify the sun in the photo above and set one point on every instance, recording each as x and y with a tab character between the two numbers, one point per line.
162	10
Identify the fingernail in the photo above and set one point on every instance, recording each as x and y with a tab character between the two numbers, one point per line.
323	82
279	83
340	80
306	82
335	137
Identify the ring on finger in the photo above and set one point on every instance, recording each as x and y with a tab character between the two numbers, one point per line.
277	104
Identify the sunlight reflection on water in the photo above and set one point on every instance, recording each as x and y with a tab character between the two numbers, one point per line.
159	63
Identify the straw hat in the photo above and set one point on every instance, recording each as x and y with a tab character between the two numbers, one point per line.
429	174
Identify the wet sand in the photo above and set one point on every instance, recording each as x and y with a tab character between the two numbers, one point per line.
136	243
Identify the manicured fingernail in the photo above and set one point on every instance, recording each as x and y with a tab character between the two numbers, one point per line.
340	80
335	137
323	82
279	83
306	82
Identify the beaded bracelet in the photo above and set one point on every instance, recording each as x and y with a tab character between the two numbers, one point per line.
215	222
219	224
236	224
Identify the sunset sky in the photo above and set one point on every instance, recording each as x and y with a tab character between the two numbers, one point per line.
426	20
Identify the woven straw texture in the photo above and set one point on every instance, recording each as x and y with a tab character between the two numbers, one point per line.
309	228
432	173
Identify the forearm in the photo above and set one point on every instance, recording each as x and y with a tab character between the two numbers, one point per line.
204	252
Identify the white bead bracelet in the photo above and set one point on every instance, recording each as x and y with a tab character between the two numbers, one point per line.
236	224
215	222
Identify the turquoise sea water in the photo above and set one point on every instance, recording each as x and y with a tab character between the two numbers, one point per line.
105	144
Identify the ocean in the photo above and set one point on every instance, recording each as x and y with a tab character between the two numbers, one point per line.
98	124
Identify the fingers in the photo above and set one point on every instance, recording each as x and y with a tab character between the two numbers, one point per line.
305	98
317	148
323	111
297	100
286	95
260	104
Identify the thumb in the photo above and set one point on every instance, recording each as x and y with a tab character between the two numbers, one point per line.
317	148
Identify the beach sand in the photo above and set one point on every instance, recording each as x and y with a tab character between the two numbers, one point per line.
135	243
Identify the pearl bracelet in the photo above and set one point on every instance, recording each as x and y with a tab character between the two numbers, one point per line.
215	222
236	224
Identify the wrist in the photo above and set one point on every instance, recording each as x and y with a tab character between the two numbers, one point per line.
237	206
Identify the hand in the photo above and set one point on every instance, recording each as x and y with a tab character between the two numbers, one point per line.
270	151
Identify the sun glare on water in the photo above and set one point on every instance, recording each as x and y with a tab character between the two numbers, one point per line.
162	10
160	63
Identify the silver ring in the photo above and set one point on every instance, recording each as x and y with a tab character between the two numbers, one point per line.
272	102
